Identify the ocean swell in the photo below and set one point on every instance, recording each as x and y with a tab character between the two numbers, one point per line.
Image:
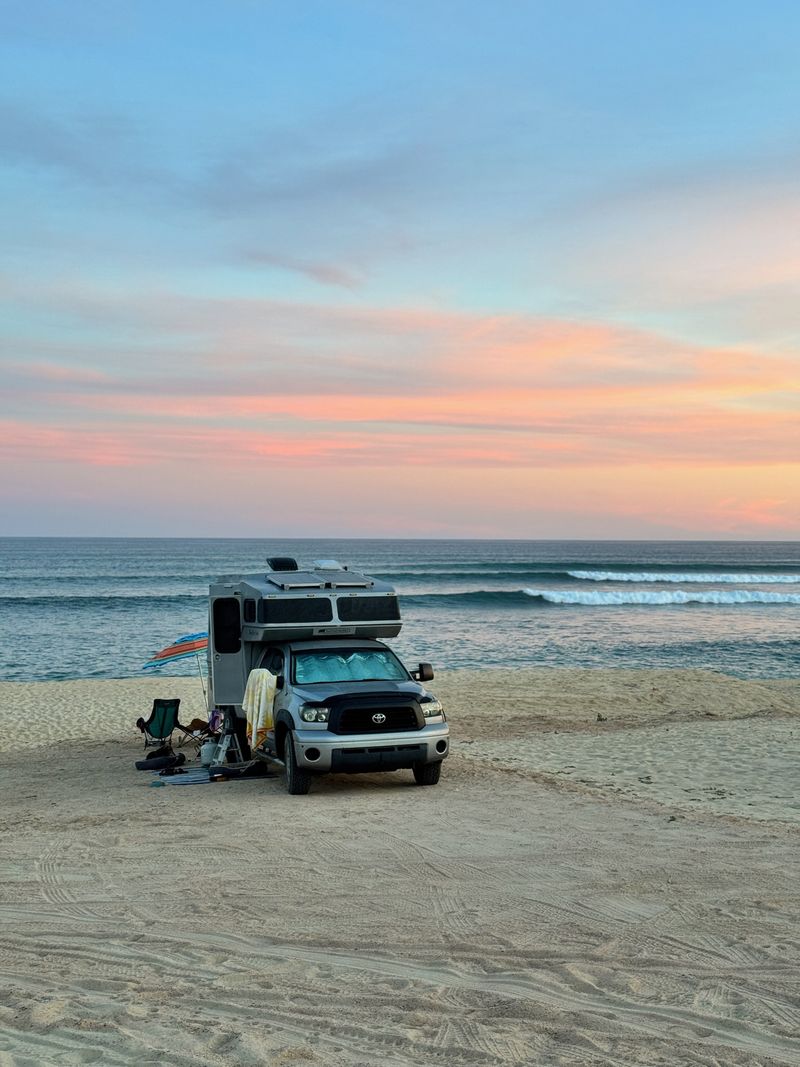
93	601
478	597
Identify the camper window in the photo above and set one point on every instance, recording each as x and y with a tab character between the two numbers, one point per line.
227	625
294	610
367	608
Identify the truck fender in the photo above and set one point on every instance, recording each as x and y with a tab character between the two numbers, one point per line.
284	724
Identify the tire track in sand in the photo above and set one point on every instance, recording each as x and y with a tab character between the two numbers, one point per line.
555	987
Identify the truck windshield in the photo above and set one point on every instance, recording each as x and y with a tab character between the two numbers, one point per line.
348	665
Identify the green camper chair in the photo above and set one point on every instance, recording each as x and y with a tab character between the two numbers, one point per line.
162	722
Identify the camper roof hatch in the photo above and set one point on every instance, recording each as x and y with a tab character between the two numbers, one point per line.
296	580
282	563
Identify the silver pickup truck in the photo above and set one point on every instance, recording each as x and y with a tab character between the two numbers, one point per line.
344	702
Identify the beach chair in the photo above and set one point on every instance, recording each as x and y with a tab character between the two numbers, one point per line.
196	732
162	722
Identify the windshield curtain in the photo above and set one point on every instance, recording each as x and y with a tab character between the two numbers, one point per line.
348	665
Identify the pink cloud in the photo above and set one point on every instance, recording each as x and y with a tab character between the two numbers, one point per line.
766	513
66	447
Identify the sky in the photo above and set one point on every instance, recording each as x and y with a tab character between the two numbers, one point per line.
382	269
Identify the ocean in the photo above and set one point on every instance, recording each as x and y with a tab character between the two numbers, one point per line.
98	607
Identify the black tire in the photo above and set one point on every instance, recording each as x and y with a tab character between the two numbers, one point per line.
298	781
427	773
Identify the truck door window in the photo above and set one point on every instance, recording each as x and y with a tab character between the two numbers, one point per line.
273	661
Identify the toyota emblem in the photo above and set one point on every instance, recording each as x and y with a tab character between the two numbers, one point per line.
379	717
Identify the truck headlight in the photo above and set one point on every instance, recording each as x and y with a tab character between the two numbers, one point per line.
431	708
309	713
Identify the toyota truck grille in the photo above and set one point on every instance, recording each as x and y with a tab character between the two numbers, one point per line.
376	720
374	713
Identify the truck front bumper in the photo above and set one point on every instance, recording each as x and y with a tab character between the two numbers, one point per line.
324	752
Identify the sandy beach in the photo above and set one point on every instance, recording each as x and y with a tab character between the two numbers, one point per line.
607	874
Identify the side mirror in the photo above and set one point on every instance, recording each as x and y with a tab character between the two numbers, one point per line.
424	673
280	681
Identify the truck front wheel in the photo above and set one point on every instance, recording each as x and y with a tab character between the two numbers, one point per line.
298	781
427	773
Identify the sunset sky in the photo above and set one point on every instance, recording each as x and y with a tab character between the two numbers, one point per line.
418	269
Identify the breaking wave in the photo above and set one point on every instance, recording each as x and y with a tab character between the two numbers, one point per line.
676	596
689	576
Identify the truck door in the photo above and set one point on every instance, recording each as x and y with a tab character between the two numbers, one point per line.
227	655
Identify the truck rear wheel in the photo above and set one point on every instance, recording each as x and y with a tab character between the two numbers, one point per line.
427	773
298	781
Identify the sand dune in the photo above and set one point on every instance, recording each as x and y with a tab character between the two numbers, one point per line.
545	904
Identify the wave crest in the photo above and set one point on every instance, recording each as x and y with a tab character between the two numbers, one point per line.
723	578
676	596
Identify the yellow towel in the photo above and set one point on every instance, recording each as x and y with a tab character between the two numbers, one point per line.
259	697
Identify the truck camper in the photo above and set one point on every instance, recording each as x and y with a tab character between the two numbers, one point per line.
297	663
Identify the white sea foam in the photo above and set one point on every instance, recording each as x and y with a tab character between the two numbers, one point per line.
676	596
691	577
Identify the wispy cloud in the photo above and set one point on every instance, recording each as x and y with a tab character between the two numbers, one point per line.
98	149
324	273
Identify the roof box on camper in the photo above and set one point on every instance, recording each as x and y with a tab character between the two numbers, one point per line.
325	600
